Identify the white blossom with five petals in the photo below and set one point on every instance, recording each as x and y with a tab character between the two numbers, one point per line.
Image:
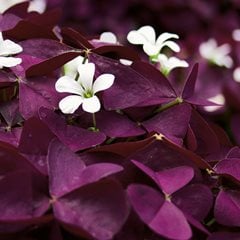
8	47
218	55
83	89
146	36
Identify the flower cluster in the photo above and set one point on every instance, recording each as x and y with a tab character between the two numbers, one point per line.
146	36
99	142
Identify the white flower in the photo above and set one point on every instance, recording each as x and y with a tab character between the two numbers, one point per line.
34	5
168	64
108	37
146	36
218	99
84	89
8	47
71	68
236	35
216	54
236	74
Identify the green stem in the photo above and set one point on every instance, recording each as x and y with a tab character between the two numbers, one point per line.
164	107
94	121
85	59
94	127
211	222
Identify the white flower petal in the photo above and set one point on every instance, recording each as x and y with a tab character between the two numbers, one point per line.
206	49
86	74
218	99
136	38
172	45
236	35
8	47
108	37
37	6
91	105
217	55
168	64
1	38
163	60
149	33
176	62
71	67
150	49
224	49
226	62
5	4
103	82
68	85
9	61
236	75
70	104
142	35
125	61
165	36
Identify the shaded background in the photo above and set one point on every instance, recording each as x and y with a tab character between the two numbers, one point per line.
186	18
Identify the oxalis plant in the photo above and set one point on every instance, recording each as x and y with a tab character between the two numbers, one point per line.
101	140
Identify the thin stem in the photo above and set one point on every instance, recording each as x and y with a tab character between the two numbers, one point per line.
94	121
84	59
176	101
211	222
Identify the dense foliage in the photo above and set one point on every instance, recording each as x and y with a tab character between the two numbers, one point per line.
159	158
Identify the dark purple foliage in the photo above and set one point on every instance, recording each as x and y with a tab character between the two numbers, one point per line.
154	162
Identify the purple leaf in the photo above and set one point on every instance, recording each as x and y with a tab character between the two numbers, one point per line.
34	143
25	29
64	168
17	202
161	216
230	166
188	89
120	51
11	160
74	137
99	209
145	200
63	162
197	224
116	125
7	79
167	124
10	112
225	236
195	200
191	141
171	156
170	222
227	208
161	83
130	87
76	38
42	90
12	137
173	179
8	21
207	140
169	180
234	152
124	148
50	55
